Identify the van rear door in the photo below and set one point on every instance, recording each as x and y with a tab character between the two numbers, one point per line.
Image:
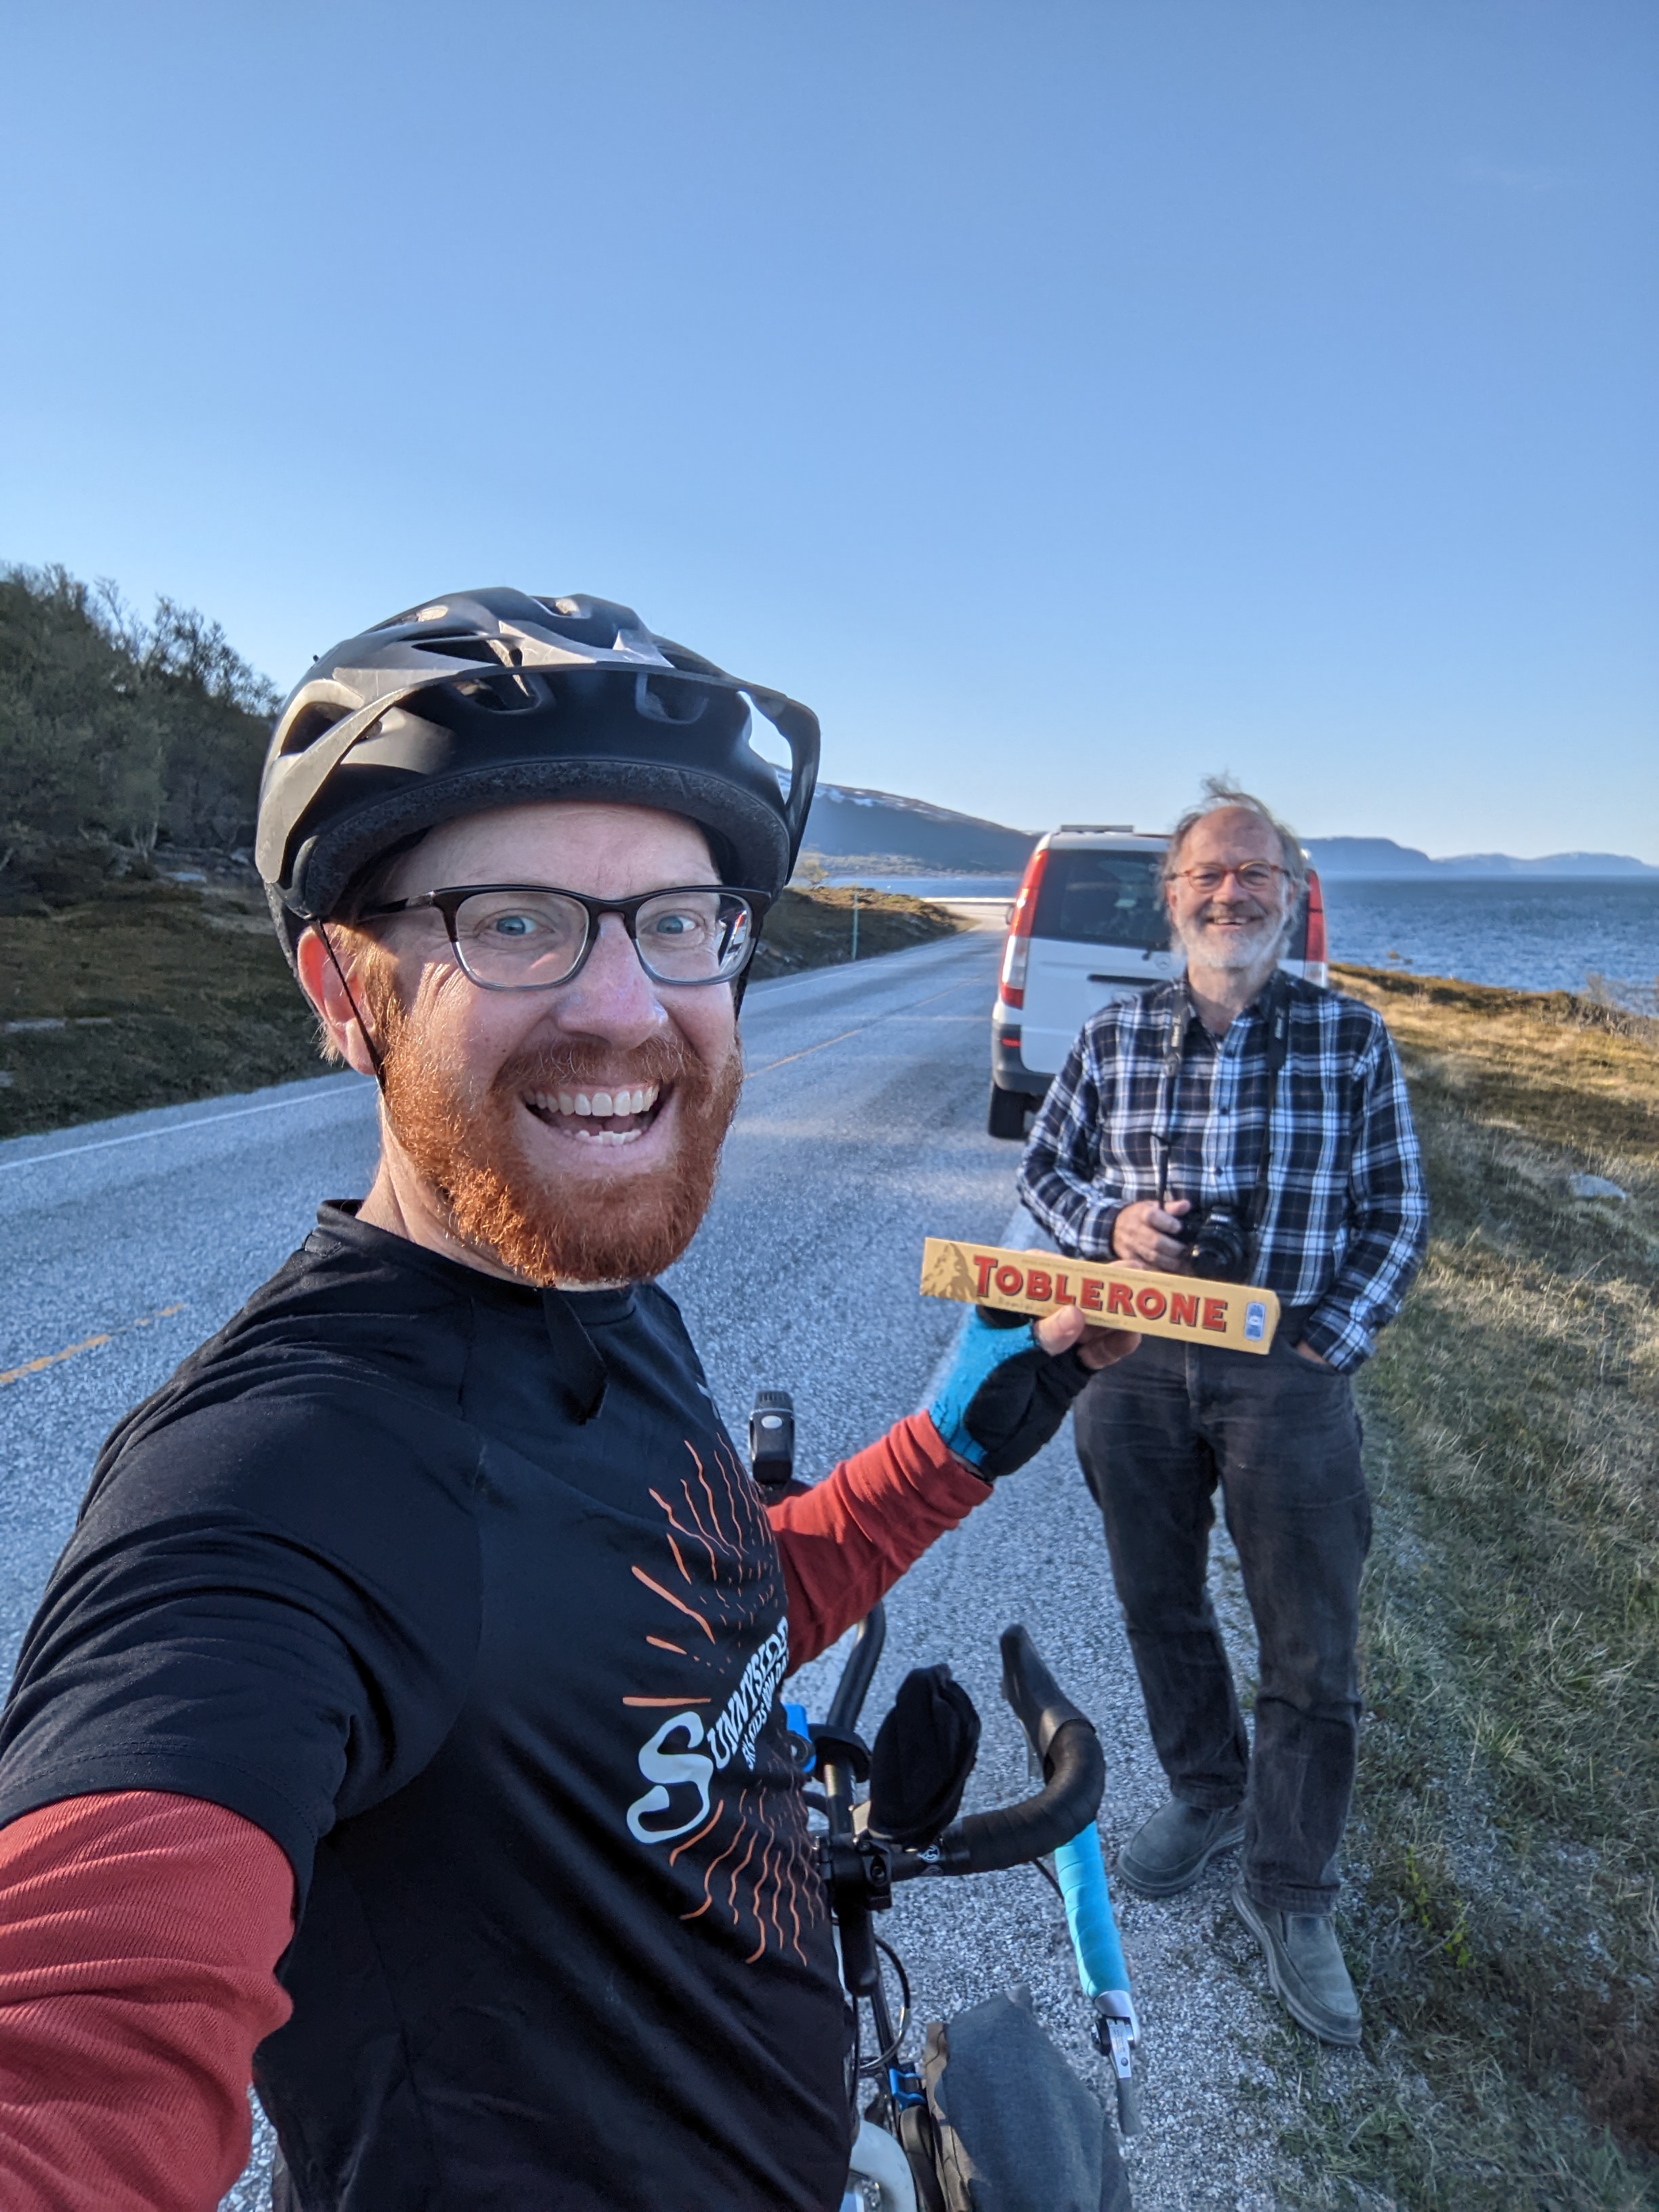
1099	934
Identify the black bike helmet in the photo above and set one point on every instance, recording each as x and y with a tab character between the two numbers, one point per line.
485	698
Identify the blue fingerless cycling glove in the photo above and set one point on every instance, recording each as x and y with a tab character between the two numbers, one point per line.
1004	1396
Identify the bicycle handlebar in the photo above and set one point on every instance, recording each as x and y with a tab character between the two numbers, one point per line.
1064	1739
1074	1778
1040	1706
1074	1781
861	1868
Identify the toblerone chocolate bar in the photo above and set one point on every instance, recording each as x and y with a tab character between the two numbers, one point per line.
1183	1306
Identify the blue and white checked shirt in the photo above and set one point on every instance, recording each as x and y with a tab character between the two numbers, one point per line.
1345	1212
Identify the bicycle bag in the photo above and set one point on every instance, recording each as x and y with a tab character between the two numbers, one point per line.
1017	2131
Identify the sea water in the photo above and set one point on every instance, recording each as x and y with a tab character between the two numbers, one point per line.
940	886
1531	934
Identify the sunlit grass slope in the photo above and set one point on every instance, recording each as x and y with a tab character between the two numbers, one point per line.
1502	1918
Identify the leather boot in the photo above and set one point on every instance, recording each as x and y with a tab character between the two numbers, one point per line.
1305	1966
1168	1853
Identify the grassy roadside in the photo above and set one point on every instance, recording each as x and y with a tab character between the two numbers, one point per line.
152	992
814	928
1502	1918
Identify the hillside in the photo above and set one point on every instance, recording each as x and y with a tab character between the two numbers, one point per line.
851	826
119	736
847	823
1380	859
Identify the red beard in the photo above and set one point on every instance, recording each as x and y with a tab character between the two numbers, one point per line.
597	1229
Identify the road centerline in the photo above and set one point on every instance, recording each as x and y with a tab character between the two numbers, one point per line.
87	1344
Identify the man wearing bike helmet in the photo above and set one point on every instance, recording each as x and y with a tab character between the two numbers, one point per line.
399	1729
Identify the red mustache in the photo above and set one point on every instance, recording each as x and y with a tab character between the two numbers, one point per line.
659	1060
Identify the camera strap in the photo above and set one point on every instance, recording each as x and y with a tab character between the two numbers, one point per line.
1181	1014
1276	1012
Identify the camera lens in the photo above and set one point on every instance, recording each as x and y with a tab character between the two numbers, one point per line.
1220	1249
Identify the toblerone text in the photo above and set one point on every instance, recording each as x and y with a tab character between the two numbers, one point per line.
1184	1306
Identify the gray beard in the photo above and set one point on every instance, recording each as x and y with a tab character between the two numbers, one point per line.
1259	947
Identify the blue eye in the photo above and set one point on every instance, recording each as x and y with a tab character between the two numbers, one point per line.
512	925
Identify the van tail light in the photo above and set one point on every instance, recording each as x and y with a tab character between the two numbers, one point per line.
1012	989
1316	960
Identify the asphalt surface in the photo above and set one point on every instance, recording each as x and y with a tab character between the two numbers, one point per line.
862	1130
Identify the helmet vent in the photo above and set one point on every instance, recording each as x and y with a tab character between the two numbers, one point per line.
461	645
660	701
310	723
507	694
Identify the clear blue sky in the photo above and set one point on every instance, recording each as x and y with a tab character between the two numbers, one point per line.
1066	397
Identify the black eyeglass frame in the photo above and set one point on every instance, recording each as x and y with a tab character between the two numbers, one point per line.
448	902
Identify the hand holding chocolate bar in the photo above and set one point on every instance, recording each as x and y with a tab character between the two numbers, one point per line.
1237	1315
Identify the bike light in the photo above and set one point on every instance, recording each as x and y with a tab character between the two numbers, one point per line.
772	1438
1011	988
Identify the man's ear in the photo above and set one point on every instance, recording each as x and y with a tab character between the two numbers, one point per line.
324	985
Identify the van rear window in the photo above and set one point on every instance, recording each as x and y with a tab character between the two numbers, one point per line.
1102	898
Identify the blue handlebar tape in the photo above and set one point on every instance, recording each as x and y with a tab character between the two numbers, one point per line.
1082	1873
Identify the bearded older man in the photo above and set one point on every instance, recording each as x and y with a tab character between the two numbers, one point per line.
1240	1094
405	1702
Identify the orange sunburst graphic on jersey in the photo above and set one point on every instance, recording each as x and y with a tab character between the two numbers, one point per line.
716	1578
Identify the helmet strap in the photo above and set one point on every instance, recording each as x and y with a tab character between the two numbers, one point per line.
364	1029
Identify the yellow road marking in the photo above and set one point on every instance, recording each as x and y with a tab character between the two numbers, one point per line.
87	1343
807	1052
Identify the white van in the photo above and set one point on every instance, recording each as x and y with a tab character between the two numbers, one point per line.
1090	926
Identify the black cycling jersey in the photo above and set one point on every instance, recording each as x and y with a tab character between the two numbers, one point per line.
501	1680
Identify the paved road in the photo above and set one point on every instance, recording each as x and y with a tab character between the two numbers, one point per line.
128	1242
862	1130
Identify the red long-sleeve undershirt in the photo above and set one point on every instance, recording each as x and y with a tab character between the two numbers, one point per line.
139	1936
846	1542
139	1932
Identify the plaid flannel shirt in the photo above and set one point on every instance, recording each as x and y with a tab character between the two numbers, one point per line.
1344	1210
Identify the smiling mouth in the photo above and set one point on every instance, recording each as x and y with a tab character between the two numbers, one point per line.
598	1116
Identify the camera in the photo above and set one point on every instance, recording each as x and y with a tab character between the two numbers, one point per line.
1220	1243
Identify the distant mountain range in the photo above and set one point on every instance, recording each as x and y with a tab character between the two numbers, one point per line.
852	826
847	824
1379	860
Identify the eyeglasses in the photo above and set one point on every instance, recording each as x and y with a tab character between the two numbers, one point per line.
1254	876
528	937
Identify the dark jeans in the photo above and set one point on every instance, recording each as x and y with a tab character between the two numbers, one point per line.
1280	1435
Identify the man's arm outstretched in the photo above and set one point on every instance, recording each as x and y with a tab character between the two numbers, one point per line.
139	1935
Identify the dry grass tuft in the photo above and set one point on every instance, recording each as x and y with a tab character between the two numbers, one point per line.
1505	1842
